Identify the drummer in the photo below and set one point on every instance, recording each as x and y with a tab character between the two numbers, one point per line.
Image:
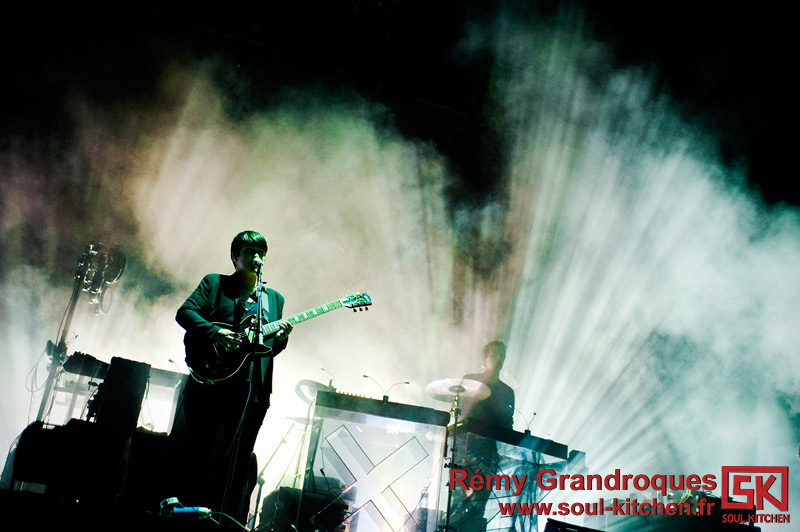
498	408
468	508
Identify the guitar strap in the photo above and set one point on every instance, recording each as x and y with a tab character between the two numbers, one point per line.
252	369
265	299
258	363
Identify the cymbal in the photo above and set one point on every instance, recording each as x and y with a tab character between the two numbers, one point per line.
448	389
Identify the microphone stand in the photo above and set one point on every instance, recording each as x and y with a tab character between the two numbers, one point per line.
252	395
97	268
259	327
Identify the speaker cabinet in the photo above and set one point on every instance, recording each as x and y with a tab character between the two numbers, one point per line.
77	461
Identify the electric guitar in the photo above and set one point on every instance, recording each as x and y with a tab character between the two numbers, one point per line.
210	362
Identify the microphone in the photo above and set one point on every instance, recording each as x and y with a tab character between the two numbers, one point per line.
528	426
332	381
257	263
376	382
385	392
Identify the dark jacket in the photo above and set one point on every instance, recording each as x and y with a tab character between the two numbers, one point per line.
216	299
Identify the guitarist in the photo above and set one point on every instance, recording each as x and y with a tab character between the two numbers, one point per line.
217	422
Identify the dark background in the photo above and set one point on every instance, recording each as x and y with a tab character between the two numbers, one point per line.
726	67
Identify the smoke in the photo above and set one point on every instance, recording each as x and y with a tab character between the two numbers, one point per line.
345	203
648	300
652	322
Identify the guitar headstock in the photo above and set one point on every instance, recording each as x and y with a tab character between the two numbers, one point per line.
357	301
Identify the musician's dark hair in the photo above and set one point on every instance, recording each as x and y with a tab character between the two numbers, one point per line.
496	346
248	238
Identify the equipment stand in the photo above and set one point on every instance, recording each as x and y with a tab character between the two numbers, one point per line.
260	479
58	351
456	411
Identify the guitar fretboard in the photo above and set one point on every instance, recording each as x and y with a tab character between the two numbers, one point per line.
270	328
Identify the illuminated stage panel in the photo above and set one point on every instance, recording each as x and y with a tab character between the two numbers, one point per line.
384	458
505	456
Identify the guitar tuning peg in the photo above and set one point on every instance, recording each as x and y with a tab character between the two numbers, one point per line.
354	310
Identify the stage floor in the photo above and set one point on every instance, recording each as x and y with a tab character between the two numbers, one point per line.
28	511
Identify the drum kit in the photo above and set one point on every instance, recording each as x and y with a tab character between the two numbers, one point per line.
453	391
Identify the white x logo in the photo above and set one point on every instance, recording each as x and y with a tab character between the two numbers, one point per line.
373	482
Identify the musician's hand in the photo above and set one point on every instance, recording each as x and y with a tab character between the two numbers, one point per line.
286	329
228	339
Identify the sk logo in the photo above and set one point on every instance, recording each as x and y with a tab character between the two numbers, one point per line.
756	484
373	482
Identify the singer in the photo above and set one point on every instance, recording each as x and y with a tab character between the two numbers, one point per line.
217	421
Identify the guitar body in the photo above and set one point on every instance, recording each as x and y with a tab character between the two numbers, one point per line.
211	362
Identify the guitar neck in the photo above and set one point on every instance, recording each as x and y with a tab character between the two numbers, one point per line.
270	328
